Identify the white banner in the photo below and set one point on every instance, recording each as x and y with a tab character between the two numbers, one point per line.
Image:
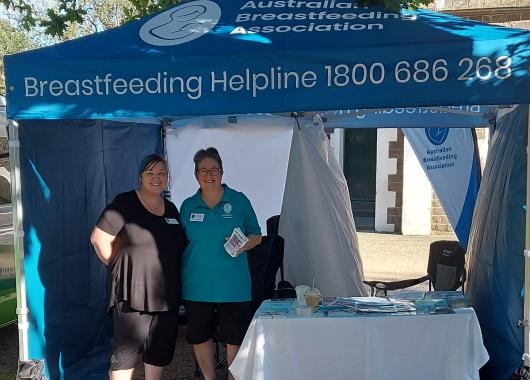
447	156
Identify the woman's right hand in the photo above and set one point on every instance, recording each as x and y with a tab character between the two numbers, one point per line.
102	242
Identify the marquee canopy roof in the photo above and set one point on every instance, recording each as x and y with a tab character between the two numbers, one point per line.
206	57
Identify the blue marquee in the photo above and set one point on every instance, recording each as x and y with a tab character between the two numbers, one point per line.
207	57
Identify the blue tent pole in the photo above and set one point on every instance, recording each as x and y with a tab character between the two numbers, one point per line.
16	201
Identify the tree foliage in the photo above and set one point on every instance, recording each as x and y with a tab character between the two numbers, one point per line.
143	8
97	15
11	41
24	9
92	15
396	5
87	15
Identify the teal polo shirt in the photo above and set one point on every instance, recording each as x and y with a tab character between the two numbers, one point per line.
209	273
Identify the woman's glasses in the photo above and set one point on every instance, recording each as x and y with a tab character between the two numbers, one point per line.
213	172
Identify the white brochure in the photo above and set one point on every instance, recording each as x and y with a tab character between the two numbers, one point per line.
236	241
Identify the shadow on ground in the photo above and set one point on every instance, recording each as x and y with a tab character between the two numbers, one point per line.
181	368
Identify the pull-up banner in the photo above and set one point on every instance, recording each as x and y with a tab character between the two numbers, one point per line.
449	159
206	57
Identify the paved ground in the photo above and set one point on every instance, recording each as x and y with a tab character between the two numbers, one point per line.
384	256
394	257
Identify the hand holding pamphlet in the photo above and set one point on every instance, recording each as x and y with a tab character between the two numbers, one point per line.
235	242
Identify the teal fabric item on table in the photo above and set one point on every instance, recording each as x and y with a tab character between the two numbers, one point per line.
209	273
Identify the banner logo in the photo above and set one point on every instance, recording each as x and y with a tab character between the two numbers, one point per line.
181	24
437	136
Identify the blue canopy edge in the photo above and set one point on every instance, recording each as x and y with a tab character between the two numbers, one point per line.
236	57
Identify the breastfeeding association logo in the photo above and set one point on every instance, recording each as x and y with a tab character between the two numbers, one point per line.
227	209
181	24
437	136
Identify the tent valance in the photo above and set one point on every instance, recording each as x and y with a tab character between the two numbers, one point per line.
204	57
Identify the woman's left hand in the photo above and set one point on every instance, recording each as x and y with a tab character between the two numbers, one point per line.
242	249
253	240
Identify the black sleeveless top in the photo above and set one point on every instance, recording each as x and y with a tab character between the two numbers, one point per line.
144	269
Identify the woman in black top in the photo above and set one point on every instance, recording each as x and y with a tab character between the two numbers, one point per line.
140	239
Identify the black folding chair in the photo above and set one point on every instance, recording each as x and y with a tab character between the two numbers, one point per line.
284	289
445	270
273	225
264	261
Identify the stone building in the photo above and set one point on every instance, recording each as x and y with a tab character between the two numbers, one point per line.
388	189
511	13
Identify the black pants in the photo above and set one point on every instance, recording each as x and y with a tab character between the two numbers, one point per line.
233	319
150	336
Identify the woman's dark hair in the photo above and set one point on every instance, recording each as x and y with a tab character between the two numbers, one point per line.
149	161
209	152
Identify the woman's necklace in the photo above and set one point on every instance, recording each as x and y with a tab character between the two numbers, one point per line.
157	210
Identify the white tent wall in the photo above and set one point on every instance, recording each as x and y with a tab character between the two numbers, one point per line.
317	221
254	151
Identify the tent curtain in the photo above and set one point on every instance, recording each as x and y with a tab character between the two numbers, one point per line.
70	170
317	220
496	245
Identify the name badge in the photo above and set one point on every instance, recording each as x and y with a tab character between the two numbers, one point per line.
171	221
196	217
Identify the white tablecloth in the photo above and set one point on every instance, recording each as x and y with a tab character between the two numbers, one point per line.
434	347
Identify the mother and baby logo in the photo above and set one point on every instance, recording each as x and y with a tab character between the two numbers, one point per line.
437	136
181	24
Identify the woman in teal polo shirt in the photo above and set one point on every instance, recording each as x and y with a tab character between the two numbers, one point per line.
212	280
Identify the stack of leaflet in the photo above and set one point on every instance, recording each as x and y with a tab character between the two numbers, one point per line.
359	306
275	308
455	299
402	303
437	302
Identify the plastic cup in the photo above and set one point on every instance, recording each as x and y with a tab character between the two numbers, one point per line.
300	293
303	311
312	298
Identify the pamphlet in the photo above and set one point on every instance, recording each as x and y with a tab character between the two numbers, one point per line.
366	305
275	309
235	242
455	299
